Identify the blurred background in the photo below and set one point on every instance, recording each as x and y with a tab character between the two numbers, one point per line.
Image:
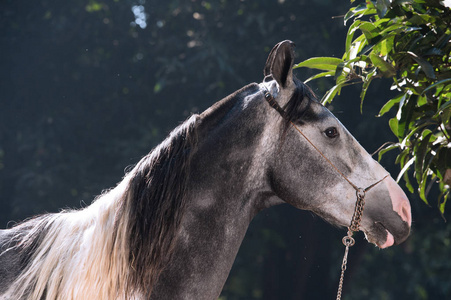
88	87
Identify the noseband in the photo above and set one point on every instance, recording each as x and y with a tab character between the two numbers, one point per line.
348	240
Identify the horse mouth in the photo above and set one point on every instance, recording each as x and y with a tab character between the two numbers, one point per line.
380	236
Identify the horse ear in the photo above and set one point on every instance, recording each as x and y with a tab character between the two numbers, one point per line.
279	64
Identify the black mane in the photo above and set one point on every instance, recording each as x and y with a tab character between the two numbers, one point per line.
155	204
297	109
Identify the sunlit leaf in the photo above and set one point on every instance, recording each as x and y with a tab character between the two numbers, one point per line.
356	47
319	75
384	67
394	125
350	35
422	188
369	30
405	168
387	106
355	12
387	45
329	96
321	63
442	202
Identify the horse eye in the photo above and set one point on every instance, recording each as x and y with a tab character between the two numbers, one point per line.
331	132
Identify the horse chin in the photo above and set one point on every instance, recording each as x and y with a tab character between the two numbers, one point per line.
382	238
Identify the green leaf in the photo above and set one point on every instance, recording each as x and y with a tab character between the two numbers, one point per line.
339	71
419	126
443	40
426	67
387	45
329	96
422	188
369	77
350	35
420	154
403	174
382	6
386	149
393	122
350	14
387	106
384	67
442	202
406	116
445	116
438	83
442	108
355	12
369	30
356	47
319	75
321	63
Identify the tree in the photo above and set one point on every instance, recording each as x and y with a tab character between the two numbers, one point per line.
407	41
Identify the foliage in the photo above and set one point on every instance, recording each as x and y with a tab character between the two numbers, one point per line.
408	42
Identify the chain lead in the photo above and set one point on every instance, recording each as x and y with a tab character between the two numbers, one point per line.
348	240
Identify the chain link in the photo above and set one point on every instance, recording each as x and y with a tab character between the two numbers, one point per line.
358	210
348	240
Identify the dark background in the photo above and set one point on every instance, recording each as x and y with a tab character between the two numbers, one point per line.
87	87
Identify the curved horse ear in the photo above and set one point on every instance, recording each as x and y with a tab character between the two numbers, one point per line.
279	64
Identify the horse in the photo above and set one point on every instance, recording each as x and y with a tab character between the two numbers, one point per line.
172	227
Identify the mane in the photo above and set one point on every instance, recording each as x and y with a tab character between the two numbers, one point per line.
154	206
297	108
117	247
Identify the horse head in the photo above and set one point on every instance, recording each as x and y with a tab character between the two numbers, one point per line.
313	142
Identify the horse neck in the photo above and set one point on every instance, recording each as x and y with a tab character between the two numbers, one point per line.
227	187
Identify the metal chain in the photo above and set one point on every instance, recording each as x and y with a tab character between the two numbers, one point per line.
348	240
358	210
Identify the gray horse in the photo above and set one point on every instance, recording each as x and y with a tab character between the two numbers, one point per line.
172	227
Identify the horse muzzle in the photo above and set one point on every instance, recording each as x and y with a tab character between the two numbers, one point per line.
396	225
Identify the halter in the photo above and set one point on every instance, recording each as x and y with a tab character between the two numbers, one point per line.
348	240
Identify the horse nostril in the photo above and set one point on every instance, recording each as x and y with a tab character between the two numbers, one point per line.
405	213
400	202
